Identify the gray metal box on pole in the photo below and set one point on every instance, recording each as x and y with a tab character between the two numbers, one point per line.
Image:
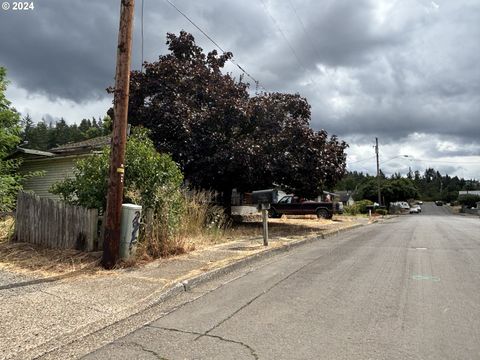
130	225
263	199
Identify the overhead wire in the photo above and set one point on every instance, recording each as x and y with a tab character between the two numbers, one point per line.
412	158
292	49
447	161
304	28
257	83
362	160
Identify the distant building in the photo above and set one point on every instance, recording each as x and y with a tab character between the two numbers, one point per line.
345	197
469	192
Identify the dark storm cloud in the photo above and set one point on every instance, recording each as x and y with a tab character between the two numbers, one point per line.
420	74
62	48
397	120
368	68
243	24
340	33
328	33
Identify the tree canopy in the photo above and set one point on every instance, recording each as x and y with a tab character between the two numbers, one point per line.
9	120
222	137
9	138
429	186
43	136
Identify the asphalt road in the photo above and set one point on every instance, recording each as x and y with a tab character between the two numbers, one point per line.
408	288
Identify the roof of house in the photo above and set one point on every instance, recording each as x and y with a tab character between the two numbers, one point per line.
30	153
83	146
344	195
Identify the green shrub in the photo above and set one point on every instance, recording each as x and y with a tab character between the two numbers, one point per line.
362	206
381	211
10	184
171	215
88	186
350	210
146	171
359	207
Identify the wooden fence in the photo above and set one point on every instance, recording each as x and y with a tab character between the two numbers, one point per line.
55	224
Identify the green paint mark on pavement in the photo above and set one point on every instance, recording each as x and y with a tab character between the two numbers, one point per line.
426	277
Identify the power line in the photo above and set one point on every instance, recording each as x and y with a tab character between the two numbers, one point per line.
395	157
304	28
285	38
447	162
412	158
362	160
257	83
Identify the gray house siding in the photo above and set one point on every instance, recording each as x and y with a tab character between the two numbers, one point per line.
55	169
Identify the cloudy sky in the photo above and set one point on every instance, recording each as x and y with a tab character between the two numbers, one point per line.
405	71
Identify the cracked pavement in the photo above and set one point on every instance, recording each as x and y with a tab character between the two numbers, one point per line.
49	317
404	289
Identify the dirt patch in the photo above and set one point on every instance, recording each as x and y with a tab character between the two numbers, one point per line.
290	226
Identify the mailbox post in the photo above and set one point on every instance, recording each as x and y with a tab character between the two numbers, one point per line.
263	199
265	208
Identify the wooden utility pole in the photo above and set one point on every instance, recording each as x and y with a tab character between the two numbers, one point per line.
112	214
378	174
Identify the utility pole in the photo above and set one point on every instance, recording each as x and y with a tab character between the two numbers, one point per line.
111	241
378	173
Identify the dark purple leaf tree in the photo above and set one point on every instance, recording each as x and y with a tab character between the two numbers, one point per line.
220	136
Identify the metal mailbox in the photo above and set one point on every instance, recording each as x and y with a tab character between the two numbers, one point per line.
264	196
263	199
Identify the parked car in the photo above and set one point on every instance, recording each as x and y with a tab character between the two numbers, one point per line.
293	205
419	202
415	209
439	203
404	205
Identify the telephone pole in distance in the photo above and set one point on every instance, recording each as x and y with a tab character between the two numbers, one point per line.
378	173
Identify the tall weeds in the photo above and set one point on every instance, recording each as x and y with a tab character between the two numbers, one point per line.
7	226
181	221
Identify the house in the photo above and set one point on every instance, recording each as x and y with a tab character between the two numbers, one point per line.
469	192
56	163
345	197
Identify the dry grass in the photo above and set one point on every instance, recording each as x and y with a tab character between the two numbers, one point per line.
6	228
200	224
203	223
456	209
22	257
301	225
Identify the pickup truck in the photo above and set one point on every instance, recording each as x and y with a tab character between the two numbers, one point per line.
293	205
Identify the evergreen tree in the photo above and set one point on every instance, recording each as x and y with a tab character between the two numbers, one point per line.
28	126
9	138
